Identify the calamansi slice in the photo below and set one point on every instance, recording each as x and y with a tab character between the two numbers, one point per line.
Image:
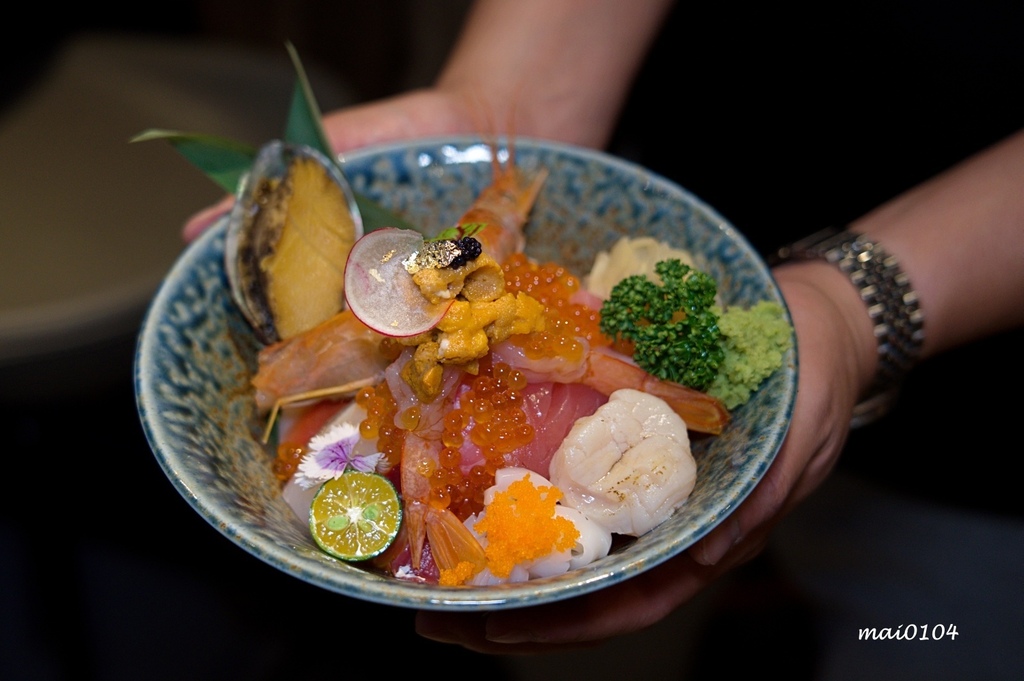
355	516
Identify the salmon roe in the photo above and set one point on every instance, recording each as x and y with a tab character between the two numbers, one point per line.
554	287
380	421
490	414
289	456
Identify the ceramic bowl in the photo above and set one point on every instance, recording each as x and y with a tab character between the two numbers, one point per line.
196	354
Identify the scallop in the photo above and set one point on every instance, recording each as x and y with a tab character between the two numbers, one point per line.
289	235
628	466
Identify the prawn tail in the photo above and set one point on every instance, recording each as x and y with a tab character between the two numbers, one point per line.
701	412
418	460
414	524
607	372
451	542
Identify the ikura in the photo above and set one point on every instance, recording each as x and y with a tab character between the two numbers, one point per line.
492	411
559	291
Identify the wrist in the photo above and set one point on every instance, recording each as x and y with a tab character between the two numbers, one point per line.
827	310
888	299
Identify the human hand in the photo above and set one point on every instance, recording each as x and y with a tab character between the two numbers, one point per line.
827	324
405	116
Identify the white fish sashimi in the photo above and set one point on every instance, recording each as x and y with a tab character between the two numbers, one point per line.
628	466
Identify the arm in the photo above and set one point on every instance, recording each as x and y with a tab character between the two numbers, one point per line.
527	68
559	70
563	69
959	237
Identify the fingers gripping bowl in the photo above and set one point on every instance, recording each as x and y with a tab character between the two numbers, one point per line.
197	354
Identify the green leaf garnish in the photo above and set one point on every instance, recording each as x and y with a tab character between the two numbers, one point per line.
459	231
226	161
305	125
223	160
376	216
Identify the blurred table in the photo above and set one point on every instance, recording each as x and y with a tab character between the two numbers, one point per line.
91	223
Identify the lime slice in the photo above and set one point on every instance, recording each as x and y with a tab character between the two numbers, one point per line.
355	516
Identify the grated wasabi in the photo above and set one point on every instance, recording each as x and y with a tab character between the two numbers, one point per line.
755	340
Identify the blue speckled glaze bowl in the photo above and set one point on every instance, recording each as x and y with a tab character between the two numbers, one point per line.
196	355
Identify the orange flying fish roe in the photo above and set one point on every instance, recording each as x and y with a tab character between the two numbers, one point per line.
520	525
457	575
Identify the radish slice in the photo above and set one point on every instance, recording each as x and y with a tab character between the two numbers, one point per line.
380	291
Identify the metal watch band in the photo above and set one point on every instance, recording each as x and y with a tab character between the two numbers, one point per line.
891	302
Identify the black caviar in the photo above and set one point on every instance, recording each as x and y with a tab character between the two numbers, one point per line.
468	249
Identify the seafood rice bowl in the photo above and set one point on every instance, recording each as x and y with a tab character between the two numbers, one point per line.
207	399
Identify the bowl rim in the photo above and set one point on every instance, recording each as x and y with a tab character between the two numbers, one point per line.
378	588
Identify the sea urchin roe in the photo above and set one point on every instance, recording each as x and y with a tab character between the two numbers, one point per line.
479	279
470	327
466	334
521	525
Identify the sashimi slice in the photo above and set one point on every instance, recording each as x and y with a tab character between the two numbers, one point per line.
552	409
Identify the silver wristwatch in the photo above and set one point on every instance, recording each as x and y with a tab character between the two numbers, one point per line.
891	303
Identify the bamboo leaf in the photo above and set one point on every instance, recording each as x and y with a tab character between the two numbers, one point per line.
223	160
376	216
305	121
305	126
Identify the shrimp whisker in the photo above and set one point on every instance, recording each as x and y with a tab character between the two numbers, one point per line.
334	391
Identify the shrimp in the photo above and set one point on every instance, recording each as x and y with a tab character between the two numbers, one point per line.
503	206
451	542
339	355
606	371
